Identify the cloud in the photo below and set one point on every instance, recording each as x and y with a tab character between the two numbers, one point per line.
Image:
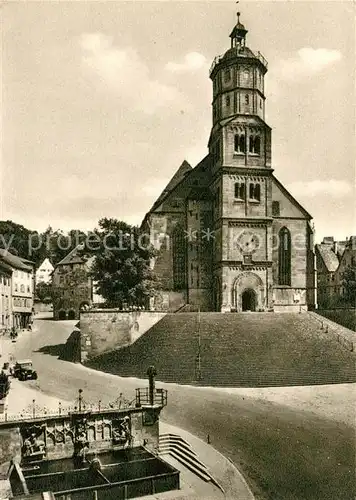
154	187
126	74
307	62
333	188
191	62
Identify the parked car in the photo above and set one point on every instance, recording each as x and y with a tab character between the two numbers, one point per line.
23	370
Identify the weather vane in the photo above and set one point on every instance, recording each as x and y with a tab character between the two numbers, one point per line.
238	13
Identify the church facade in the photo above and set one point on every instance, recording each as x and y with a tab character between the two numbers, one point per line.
229	236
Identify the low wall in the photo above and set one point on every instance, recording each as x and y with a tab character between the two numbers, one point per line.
344	317
104	330
40	307
345	336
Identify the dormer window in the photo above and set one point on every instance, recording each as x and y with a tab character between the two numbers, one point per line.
240	190
254	192
240	143
254	144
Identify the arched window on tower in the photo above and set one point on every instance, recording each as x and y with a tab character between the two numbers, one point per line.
254	192
240	190
227	76
245	76
247	99
179	258
284	258
254	144
240	143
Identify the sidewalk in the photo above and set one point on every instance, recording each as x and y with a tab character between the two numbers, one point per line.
192	487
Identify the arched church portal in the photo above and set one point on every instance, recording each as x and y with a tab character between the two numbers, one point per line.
248	300
248	292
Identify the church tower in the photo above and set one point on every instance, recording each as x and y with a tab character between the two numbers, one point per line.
240	148
240	240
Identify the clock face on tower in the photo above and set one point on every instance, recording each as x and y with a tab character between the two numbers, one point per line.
247	242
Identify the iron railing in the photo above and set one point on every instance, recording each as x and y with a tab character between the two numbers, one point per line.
34	411
217	59
143	397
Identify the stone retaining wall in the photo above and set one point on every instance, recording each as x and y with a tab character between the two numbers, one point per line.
104	330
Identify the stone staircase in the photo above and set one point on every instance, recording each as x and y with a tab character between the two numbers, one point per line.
236	350
175	446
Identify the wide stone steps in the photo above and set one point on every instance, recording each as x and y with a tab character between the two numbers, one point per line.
236	350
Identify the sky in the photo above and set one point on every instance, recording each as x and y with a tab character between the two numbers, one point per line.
102	101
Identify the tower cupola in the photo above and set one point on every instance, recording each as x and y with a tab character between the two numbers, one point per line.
238	34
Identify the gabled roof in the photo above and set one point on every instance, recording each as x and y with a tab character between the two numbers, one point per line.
46	262
72	257
343	247
176	179
328	256
5	267
14	261
202	165
291	198
199	193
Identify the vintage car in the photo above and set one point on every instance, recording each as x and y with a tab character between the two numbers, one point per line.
23	370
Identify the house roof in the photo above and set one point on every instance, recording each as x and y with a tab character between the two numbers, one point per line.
72	257
328	256
46	262
5	267
14	261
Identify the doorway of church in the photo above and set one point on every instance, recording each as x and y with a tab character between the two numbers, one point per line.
249	300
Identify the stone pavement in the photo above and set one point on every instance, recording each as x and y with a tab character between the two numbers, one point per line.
192	487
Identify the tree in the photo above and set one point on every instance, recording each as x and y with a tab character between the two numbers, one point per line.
44	292
121	269
349	284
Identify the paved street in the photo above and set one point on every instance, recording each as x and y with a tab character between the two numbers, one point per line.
285	454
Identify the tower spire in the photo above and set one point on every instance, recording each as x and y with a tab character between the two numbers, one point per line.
238	34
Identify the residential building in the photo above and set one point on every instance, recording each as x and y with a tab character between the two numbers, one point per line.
347	259
5	296
23	285
332	259
238	239
44	272
73	287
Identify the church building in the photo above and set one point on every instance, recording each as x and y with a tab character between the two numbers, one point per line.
229	236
